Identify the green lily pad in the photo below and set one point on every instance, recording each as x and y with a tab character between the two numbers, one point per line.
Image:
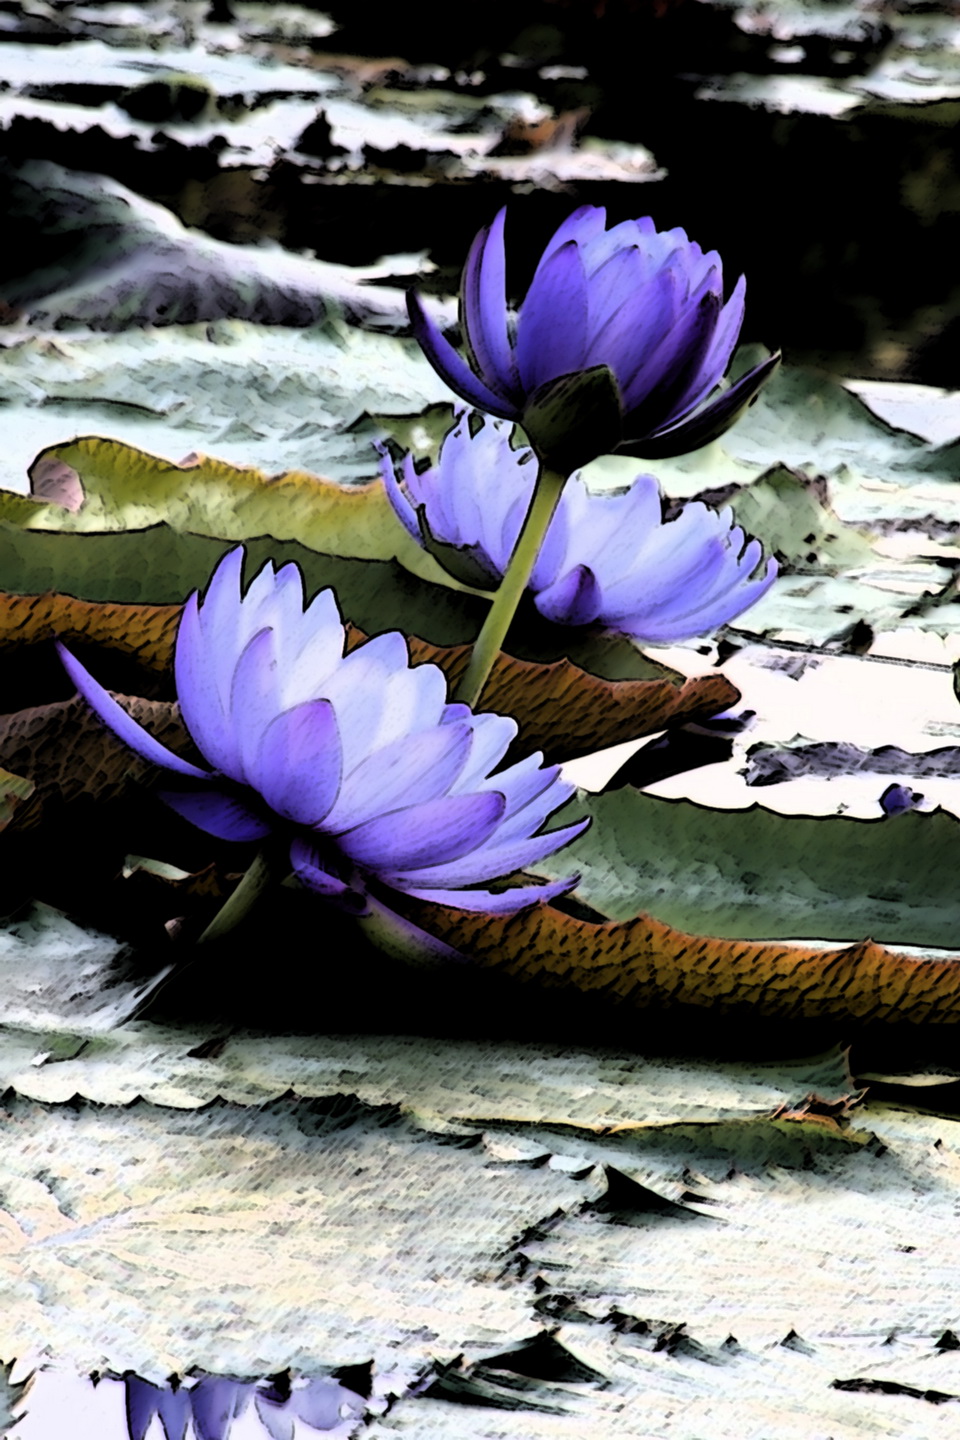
753	874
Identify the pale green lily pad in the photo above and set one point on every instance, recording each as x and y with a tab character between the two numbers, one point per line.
447	1081
161	566
792	520
752	874
134	1237
251	395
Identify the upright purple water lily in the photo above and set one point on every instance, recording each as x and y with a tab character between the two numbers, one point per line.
645	304
358	760
606	559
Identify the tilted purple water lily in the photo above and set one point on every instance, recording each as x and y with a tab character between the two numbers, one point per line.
606	559
358	760
646	304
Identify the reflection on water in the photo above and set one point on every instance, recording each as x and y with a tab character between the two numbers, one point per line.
198	1407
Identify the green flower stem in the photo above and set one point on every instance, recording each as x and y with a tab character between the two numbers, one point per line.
261	874
546	497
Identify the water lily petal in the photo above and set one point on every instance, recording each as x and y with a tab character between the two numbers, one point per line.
574	599
254	700
203	700
502	860
666	374
398	495
218	813
582	226
706	424
216	1402
299	761
130	731
545	349
484	311
410	770
490	902
309	868
144	1400
450	365
431	833
492	737
719	353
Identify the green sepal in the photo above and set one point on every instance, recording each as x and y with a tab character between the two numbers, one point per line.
575	418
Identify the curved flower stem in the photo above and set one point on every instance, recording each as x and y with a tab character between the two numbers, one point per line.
402	940
261	873
489	642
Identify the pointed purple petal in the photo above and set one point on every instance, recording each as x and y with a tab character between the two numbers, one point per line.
426	834
402	507
144	1400
254	700
584	226
483	311
216	1402
552	324
409	771
218	813
196	666
722	345
730	596
706	424
500	902
298	763
574	599
489	862
123	725
652	397
450	366
221	614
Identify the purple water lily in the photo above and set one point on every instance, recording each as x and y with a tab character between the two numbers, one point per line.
606	559
214	1402
646	304
359	759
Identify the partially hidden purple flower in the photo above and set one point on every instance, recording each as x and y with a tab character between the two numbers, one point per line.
214	1402
606	559
646	304
358	760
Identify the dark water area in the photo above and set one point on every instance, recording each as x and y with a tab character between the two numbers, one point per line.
846	224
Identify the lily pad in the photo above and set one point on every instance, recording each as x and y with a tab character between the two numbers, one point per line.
752	873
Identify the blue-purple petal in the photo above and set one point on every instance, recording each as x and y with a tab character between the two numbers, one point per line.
450	365
216	1402
409	771
299	763
397	495
130	731
217	812
307	864
427	834
483	314
254	699
486	863
546	349
201	691
499	902
144	1400
574	599
706	424
582	226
